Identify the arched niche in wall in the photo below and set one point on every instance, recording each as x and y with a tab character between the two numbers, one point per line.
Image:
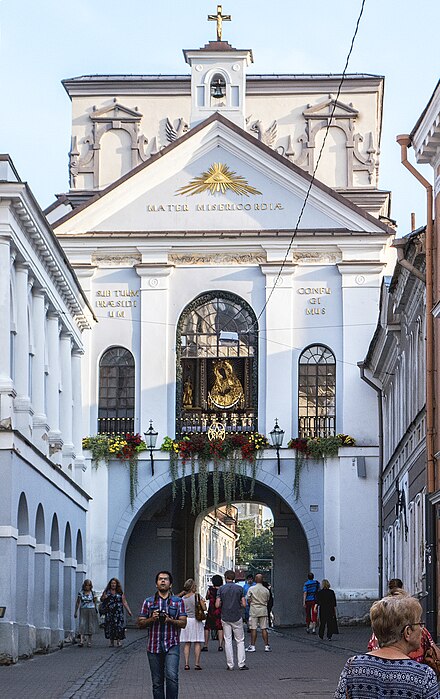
22	516
115	156
40	526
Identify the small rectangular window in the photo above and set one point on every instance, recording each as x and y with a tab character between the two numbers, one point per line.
235	96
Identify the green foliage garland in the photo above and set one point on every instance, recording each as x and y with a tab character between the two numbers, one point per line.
316	448
231	458
124	447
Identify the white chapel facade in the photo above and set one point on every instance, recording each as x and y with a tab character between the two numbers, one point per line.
184	221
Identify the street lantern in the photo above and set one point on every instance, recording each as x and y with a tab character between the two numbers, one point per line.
150	441
277	436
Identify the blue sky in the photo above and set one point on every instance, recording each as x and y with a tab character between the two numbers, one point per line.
44	41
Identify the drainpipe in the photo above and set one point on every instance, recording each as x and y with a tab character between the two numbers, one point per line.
431	559
378	390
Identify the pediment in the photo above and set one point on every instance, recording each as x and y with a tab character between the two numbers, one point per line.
116	112
216	178
331	107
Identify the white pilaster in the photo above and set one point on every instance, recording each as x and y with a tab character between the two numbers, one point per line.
66	398
53	386
154	333
22	402
277	336
77	426
357	403
7	390
40	426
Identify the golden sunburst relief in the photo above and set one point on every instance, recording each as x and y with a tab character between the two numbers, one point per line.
219	178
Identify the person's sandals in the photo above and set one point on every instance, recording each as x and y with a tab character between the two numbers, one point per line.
205	649
197	667
220	647
186	667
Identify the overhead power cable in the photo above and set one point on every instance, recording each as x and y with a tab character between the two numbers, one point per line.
312	180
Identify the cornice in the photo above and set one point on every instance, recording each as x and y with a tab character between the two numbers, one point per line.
425	136
53	265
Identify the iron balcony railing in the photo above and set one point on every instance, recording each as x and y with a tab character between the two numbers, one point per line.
314	426
115	425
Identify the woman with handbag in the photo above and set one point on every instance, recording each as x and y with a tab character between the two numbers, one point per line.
195	607
112	606
213	623
88	622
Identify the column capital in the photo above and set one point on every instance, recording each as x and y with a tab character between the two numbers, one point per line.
39	291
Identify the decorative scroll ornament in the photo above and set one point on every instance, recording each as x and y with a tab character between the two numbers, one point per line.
218	179
173	133
216	431
267	136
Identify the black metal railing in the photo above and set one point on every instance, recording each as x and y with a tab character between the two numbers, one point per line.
200	422
314	426
115	425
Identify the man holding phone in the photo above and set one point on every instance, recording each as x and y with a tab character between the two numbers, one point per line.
163	615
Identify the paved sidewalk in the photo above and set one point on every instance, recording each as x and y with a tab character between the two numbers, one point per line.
300	665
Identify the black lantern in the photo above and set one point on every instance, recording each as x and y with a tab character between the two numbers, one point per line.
150	441
277	436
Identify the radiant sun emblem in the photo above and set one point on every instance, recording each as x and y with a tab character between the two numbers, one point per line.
219	178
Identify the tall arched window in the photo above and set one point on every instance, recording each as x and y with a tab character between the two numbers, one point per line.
217	364
116	392
317	392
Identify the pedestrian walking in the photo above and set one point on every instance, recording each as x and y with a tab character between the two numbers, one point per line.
270	602
427	653
231	600
88	616
164	616
388	671
326	608
112	606
310	590
247	585
213	621
195	607
258	598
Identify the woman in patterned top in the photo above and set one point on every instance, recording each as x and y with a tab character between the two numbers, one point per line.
86	603
388	671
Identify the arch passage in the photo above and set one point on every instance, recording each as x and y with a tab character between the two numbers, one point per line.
217	364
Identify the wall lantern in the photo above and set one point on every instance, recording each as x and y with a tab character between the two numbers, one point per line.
277	436
150	441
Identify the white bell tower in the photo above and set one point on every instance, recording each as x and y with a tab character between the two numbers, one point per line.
218	77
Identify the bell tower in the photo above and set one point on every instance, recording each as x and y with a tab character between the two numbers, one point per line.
218	77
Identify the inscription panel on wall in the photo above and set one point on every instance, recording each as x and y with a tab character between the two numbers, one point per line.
116	301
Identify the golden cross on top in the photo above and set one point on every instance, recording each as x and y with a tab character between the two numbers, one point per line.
219	18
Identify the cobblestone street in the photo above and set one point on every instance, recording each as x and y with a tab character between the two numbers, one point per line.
299	666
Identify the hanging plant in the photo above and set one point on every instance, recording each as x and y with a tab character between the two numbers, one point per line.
231	458
316	448
123	447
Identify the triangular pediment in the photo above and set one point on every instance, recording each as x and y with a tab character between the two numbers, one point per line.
217	178
115	111
331	107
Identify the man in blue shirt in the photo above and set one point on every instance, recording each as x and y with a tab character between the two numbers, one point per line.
310	590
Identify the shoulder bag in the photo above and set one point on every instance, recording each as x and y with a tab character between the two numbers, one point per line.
432	658
199	613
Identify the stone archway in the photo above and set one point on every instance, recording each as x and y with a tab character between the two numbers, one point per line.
158	533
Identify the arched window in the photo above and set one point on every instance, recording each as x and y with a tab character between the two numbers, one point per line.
317	392
116	392
217	364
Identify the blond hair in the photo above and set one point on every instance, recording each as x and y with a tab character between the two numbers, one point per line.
325	584
390	615
189	586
